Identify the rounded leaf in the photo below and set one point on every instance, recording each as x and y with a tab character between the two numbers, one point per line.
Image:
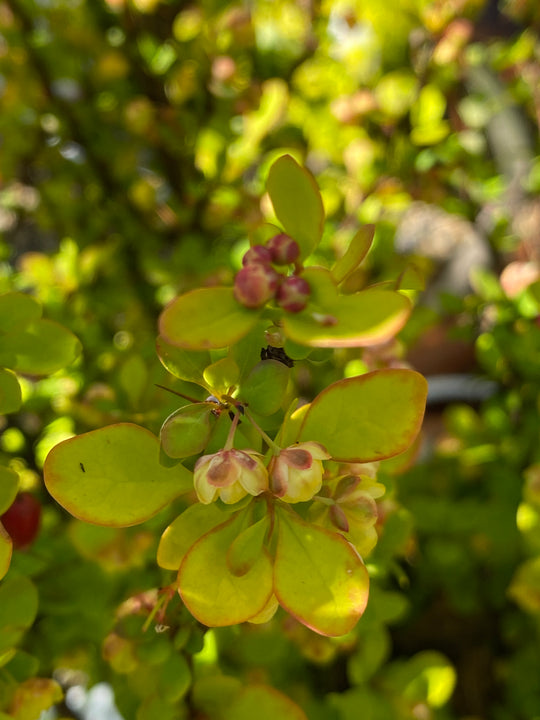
112	476
263	703
370	417
318	577
10	392
43	347
17	310
265	386
184	532
187	431
206	318
6	551
210	591
19	606
365	318
184	364
9	485
297	202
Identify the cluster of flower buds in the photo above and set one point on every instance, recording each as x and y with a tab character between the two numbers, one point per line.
294	475
258	281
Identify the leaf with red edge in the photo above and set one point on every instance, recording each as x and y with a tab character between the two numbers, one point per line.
211	592
370	417
112	476
206	318
318	576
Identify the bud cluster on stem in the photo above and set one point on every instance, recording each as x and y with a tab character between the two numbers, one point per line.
257	282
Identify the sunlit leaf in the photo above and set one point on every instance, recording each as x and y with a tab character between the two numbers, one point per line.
43	347
10	392
112	476
370	417
213	595
184	532
206	318
247	547
297	202
9	485
184	364
356	252
318	577
365	318
222	375
6	550
34	696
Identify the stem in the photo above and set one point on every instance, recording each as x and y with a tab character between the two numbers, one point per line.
175	392
271	444
234	425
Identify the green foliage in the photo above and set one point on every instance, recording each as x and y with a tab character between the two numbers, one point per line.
147	145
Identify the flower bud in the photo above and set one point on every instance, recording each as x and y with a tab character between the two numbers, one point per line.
293	294
255	285
257	254
284	249
230	475
296	473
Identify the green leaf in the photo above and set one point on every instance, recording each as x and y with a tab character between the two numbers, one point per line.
42	348
265	387
206	318
17	310
264	703
10	392
18	609
186	365
112	476
210	591
6	550
365	318
247	547
367	418
184	532
318	576
187	431
222	375
9	486
356	252
297	202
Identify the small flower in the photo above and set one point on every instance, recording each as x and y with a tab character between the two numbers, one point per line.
230	475
296	473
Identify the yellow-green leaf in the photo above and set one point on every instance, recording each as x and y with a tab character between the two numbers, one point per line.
10	392
318	576
206	318
43	347
367	418
112	476
184	532
355	253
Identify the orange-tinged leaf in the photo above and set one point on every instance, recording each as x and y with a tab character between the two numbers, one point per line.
206	318
297	202
112	476
365	318
370	417
319	577
210	591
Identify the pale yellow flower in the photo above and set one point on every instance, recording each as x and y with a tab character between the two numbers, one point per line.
229	475
296	473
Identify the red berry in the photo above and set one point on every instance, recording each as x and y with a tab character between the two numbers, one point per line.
22	520
293	294
255	285
284	249
257	254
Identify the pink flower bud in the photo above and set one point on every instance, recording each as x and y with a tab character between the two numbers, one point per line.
257	254
230	475
296	473
293	294
284	249
255	285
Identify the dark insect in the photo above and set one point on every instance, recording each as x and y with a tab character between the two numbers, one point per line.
82	467
274	353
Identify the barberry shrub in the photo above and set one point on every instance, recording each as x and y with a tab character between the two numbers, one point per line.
279	491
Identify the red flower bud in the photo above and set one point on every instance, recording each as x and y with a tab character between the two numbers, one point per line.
293	294
284	249
257	254
255	285
22	519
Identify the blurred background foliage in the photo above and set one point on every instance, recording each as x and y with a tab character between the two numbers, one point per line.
135	139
